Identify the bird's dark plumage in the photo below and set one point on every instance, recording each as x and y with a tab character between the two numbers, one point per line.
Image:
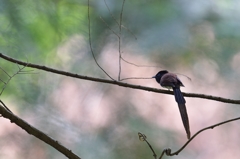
170	80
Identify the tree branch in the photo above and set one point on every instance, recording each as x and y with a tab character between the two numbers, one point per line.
119	43
37	133
168	151
90	42
60	72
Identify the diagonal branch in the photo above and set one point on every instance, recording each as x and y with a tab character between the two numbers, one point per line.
131	63
73	75
37	133
168	151
143	137
109	11
90	42
5	107
20	71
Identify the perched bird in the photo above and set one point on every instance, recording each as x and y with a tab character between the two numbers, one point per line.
171	81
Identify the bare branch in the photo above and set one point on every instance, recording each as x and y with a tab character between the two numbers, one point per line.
109	27
117	21
5	72
138	65
111	13
143	137
90	42
5	107
135	78
184	76
73	75
20	71
118	35
2	81
119	45
168	151
37	133
130	32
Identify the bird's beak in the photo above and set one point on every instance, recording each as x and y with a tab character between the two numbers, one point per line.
153	76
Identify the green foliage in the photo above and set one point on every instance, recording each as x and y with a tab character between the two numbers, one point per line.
39	27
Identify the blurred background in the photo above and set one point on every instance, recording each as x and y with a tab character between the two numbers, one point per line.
199	39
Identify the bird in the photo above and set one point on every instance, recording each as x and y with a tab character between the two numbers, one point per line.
171	81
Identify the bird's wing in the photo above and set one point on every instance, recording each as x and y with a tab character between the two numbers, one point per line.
169	80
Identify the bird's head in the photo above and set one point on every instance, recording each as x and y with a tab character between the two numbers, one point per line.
159	75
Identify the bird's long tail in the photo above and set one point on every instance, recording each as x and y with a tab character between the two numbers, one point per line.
183	111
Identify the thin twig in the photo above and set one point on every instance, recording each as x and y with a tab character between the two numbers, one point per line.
90	42
74	75
119	45
111	13
118	35
138	65
109	27
168	151
184	76
130	32
117	21
20	70
143	137
135	78
154	154
37	133
2	81
5	72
